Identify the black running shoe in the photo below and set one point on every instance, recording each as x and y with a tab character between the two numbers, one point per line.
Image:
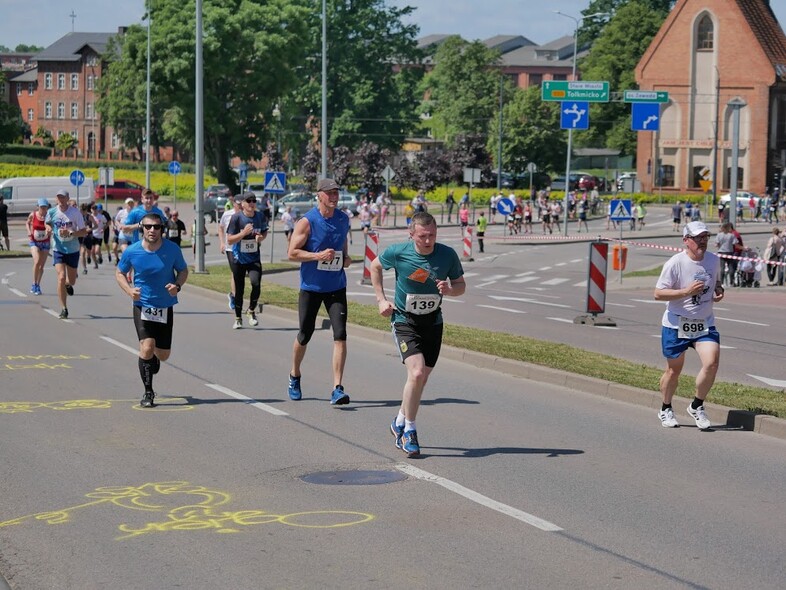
69	289
63	314
147	401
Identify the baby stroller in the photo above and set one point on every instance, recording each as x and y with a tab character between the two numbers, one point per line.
749	269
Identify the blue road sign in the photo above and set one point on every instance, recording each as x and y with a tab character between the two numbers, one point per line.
242	172
621	210
77	177
275	182
645	116
505	206
574	115
174	167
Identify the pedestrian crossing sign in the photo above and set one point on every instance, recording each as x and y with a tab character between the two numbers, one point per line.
621	209
275	182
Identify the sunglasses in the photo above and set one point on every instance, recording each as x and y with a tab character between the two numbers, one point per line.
157	226
251	200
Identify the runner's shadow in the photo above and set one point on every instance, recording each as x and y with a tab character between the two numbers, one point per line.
197	401
462	452
395	403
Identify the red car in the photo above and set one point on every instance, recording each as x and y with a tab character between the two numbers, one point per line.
120	191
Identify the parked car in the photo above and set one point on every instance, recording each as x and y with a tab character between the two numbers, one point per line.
348	200
301	200
540	180
211	208
743	198
586	181
558	182
120	191
624	176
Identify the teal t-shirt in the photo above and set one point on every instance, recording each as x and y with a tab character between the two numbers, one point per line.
417	276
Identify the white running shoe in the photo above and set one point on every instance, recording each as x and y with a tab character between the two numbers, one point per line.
667	419
700	416
252	318
238	324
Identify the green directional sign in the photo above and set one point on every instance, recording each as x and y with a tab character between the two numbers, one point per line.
563	90
659	96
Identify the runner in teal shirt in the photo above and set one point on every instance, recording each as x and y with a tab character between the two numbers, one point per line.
425	272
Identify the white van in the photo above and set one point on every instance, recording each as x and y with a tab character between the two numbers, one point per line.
21	194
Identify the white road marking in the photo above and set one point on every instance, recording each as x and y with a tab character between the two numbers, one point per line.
563	320
120	345
474	496
501	308
17	292
524	274
470	274
741	321
649	301
523	279
555	281
56	314
526	300
250	401
582	284
544	268
768	381
575	260
620	305
561	264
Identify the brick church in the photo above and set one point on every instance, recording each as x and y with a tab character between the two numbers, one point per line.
706	54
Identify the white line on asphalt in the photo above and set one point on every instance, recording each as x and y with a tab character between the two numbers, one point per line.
501	308
523	279
561	264
563	320
741	321
4	281
120	345
474	496
582	284
55	314
768	381
648	301
526	300
470	274
250	401
522	274
720	308
544	268
555	281
575	260
17	292
620	305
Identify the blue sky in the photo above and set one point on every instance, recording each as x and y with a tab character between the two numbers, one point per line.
42	22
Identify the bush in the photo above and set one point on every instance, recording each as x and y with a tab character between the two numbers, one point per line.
35	152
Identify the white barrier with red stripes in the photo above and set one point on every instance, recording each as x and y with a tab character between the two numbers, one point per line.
370	247
596	284
467	244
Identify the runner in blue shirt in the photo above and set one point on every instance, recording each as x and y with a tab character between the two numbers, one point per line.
319	243
160	271
245	233
137	213
426	271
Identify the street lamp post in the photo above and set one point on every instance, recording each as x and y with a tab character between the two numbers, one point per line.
277	117
323	173
566	201
147	99
736	104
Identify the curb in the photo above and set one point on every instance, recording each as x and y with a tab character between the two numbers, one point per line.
720	415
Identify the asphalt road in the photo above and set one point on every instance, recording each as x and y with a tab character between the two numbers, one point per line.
521	484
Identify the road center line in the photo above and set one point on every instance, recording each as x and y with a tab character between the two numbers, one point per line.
741	321
501	308
250	401
120	345
530	519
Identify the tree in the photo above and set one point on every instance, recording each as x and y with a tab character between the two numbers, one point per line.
251	49
591	28
432	169
462	89
22	48
341	165
405	174
367	99
370	161
531	133
469	151
311	164
11	125
614	57
45	136
65	142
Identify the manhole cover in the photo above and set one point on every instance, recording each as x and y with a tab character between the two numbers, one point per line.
353	477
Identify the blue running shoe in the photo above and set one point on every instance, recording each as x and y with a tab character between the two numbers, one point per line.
397	432
231	299
409	443
339	397
294	388
38	289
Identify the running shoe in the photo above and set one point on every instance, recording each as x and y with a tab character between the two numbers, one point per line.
700	416
409	443
339	397
69	289
84	271
397	432
147	401
252	318
33	289
667	419
231	299
294	388
238	324
100	260
63	314
38	290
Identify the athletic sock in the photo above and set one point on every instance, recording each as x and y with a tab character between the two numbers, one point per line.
697	403
400	419
156	364
409	425
665	407
146	372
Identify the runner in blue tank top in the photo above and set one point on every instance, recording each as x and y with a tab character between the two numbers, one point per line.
425	272
319	243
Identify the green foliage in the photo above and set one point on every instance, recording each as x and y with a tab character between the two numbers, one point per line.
46	136
370	161
614	57
26	151
65	142
468	151
10	123
368	100
22	48
591	28
463	88
531	133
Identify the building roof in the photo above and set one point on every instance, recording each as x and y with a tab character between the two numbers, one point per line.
432	41
30	75
507	43
765	27
67	48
